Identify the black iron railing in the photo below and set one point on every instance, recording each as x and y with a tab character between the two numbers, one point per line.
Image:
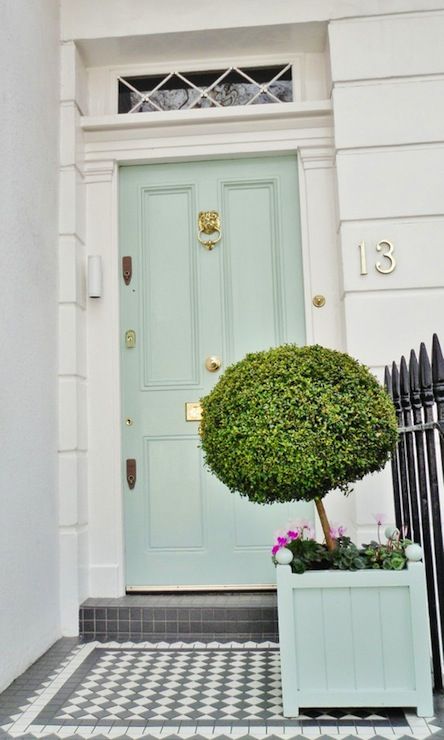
417	390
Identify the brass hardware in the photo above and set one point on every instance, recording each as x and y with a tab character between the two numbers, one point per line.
130	339
209	223
319	301
131	473
128	422
213	363
193	411
127	269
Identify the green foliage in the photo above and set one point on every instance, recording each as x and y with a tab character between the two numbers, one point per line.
346	555
295	422
308	555
390	556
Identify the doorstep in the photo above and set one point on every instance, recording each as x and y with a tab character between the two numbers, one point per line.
190	617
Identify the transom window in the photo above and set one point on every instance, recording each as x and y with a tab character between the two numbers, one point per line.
209	89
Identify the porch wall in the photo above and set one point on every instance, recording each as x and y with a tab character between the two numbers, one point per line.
29	593
387	76
388	101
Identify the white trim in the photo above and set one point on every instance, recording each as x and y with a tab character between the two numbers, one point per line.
234	114
109	142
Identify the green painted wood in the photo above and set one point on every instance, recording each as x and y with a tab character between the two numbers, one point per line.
182	528
369	637
339	653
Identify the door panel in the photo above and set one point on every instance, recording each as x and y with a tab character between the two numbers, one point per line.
186	303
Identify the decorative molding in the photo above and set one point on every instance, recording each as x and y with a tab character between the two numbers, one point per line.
315	158
99	171
269	112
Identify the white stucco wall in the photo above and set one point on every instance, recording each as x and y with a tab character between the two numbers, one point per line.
379	179
387	103
29	602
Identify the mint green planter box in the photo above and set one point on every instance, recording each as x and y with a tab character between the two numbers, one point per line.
354	639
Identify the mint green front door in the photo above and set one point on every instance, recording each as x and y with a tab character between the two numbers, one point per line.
185	304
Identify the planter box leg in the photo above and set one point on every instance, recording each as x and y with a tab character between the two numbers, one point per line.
290	708
425	708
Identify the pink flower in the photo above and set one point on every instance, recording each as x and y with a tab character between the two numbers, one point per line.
282	541
292	534
337	530
275	549
380	518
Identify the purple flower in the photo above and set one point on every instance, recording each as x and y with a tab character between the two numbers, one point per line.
292	534
275	549
282	541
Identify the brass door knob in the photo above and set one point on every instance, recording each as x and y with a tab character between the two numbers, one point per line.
213	363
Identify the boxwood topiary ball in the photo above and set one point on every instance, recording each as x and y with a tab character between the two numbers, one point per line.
293	423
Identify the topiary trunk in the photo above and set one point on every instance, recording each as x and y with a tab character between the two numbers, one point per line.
329	541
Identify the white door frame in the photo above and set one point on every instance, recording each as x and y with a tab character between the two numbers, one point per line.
150	138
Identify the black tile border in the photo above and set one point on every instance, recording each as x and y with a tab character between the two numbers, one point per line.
154	622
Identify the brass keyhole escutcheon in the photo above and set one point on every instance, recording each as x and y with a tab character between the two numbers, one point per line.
213	363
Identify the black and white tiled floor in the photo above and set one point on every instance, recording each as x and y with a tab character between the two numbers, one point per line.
179	690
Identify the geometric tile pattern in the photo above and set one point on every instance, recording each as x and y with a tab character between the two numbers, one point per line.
171	686
183	690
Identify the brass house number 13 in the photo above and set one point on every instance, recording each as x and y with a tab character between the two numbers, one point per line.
388	253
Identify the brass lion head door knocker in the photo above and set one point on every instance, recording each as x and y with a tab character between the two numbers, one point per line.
209	223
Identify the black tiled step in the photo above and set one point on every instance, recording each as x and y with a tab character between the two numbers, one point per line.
204	617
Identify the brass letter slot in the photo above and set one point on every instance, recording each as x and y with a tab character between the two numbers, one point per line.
131	473
193	411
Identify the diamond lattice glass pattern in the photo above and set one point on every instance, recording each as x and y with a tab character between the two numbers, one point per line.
215	89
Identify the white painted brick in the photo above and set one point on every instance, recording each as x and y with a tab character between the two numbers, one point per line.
418	250
69	582
390	46
72	340
315	77
72	271
68	487
381	326
72	203
68	414
323	259
83	553
372	495
82	415
82	487
71	135
385	113
390	183
73	76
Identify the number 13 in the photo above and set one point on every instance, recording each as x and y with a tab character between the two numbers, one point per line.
389	255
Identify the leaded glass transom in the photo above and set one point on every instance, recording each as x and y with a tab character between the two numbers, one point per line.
209	89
